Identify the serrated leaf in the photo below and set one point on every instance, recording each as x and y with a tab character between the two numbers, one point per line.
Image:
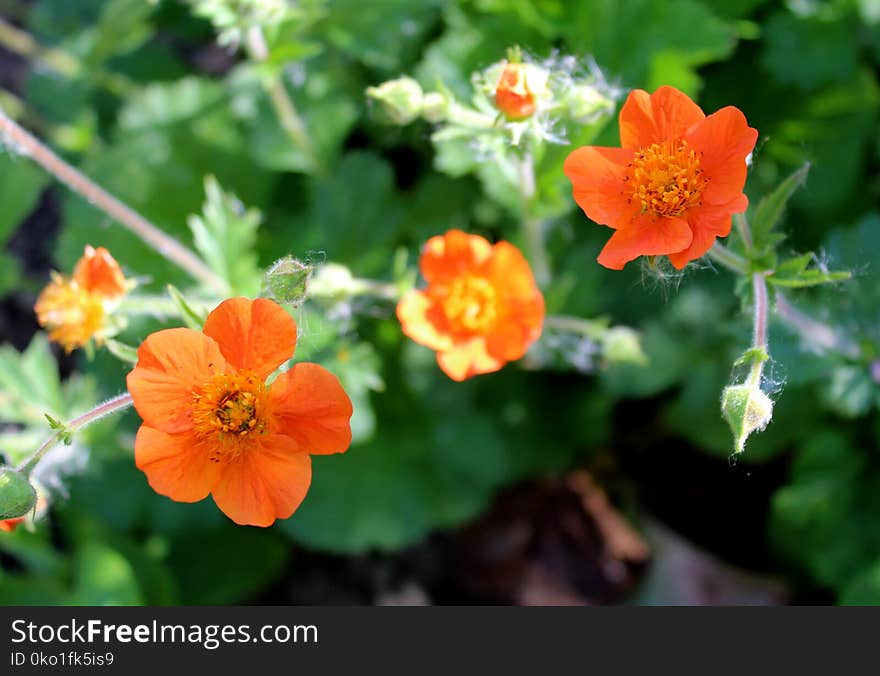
225	234
770	209
794	273
185	311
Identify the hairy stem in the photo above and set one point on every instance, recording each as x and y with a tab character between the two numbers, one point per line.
26	144
759	336
531	226
113	405
724	256
812	331
745	233
285	109
586	327
22	43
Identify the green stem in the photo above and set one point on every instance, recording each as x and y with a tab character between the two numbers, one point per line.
118	403
745	233
531	226
26	144
587	327
724	256
22	43
288	116
759	335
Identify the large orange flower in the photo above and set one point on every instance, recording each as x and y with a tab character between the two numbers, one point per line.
673	185
481	308
213	425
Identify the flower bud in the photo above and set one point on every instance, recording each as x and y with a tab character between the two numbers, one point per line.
621	345
747	409
401	99
435	107
17	496
332	280
287	280
512	94
585	102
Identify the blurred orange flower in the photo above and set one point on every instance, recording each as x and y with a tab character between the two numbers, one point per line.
211	423
98	272
512	94
481	308
9	525
673	185
74	309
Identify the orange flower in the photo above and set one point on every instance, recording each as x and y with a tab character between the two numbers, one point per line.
673	185
71	314
99	273
9	525
74	309
481	308
512	94
213	425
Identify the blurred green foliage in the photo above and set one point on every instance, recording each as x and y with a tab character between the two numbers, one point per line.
153	106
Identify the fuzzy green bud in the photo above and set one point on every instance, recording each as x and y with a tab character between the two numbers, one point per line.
17	496
621	345
435	107
401	99
585	103
287	281
747	409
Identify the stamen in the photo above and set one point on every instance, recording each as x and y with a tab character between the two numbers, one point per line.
666	178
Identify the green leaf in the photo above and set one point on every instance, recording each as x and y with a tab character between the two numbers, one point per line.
770	209
795	273
226	234
193	319
103	577
808	52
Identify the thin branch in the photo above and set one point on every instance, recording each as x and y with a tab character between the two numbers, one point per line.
26	144
745	232
531	226
812	331
285	109
759	336
724	256
113	405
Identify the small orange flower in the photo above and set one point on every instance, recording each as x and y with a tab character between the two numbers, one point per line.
481	308
512	94
71	314
213	425
74	309
673	185
99	273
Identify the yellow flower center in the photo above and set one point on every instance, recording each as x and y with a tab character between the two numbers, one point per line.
471	304
230	405
71	314
666	178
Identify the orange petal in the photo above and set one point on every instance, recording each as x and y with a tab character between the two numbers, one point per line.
171	364
468	359
724	140
177	465
646	235
706	223
98	272
662	116
598	178
254	335
264	483
413	312
309	405
452	254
